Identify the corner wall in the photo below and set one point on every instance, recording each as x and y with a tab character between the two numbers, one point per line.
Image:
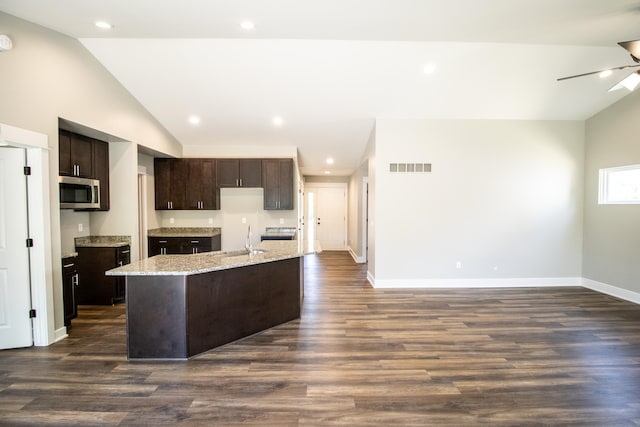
612	232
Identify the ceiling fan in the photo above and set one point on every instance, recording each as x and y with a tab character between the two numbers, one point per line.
632	80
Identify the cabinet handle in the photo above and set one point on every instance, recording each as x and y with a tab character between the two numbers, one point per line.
162	241
75	279
195	241
240	182
120	263
68	265
126	252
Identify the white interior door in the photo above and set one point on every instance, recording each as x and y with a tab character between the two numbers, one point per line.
15	290
328	205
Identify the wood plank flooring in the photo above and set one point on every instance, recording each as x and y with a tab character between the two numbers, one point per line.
357	357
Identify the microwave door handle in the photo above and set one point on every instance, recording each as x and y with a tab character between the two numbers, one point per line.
95	194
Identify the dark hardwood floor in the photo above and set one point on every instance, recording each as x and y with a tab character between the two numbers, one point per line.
358	356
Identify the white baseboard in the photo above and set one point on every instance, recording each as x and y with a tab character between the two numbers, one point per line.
356	258
614	291
604	288
518	282
60	334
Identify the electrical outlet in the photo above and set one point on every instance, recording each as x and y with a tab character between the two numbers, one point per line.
80	227
244	220
171	220
459	264
210	220
281	220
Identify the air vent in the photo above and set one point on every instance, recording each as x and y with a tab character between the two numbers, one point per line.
410	167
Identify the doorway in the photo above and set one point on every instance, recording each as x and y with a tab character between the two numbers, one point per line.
326	213
15	286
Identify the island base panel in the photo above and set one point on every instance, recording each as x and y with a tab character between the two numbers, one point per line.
213	309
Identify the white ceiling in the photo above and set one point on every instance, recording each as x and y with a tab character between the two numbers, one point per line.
330	67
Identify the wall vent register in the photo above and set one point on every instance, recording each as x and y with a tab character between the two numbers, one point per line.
410	167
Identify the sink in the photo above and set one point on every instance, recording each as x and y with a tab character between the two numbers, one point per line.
243	252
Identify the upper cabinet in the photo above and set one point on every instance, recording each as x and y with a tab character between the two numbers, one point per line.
101	171
85	157
170	183
186	184
202	191
239	173
75	155
277	180
193	184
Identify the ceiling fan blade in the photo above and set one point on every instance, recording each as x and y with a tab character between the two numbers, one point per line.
622	67
630	82
633	47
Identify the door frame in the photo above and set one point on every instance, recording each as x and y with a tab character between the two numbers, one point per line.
39	219
310	186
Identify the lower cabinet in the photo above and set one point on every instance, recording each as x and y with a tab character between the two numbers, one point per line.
70	282
182	245
96	288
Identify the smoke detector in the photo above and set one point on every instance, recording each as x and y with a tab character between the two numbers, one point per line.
5	43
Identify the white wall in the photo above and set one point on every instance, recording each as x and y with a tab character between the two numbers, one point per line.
47	76
504	199
612	232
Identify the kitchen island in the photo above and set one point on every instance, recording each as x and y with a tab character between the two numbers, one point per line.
181	305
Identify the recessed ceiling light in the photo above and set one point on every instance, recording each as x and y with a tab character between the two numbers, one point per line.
605	73
277	121
104	25
429	69
194	120
247	25
327	172
330	161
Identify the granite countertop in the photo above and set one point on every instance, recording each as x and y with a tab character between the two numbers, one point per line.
184	232
184	265
102	241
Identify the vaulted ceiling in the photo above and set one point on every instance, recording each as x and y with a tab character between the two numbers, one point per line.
329	68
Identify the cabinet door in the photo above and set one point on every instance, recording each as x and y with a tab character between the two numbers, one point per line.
228	173
250	172
65	167
170	177
101	171
123	257
202	191
82	155
277	180
239	173
69	282
285	186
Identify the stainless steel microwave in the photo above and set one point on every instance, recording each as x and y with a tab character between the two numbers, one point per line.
79	193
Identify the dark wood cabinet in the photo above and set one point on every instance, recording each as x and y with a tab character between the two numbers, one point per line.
277	180
85	157
75	155
170	183
202	190
95	288
186	184
239	173
70	282
101	171
182	245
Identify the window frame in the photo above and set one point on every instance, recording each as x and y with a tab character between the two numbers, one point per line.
603	188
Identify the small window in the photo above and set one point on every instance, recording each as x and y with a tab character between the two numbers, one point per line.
619	185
